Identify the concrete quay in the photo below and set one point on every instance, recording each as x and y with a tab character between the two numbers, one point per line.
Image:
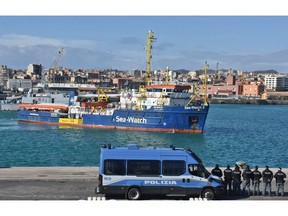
48	183
75	183
49	173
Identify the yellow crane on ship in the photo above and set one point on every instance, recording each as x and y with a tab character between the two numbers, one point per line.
205	67
204	90
150	40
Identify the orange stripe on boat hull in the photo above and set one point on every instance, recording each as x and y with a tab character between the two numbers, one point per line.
168	130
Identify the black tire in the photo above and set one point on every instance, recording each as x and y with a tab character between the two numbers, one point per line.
134	194
208	193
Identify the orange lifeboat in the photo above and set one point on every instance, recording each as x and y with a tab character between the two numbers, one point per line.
43	106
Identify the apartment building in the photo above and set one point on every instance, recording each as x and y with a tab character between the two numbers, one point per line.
276	82
252	89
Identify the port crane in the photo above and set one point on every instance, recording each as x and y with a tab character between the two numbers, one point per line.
55	64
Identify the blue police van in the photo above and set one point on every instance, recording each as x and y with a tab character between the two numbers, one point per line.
133	172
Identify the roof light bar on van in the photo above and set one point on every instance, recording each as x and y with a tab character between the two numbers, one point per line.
172	147
107	146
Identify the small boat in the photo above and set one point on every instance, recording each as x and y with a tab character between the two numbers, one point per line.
44	107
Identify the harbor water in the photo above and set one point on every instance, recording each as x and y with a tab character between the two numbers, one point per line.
255	134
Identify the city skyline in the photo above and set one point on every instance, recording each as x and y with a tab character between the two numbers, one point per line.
245	43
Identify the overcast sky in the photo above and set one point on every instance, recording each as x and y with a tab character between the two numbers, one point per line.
239	42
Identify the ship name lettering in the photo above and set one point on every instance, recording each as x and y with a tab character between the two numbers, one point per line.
194	107
137	120
120	119
131	120
34	114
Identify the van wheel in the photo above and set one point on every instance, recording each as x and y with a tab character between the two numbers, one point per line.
208	193
134	194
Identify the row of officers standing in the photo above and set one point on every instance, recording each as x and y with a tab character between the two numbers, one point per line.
234	177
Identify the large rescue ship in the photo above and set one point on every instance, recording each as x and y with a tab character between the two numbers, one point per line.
167	107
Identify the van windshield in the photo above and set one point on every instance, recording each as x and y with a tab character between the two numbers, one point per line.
198	170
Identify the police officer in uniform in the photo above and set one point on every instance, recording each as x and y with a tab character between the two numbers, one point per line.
236	176
267	175
247	176
256	180
228	179
280	176
217	171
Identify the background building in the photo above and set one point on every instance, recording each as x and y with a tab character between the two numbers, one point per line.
35	71
252	90
231	80
4	75
276	82
19	84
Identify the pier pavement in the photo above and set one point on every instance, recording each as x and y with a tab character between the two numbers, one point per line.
75	183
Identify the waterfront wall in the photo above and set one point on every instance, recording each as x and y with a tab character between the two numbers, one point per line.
248	101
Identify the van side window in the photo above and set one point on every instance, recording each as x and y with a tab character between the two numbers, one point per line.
173	167
114	167
143	167
196	170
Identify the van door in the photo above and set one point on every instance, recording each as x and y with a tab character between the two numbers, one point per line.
197	179
174	175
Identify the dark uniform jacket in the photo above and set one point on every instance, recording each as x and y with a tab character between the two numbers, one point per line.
228	174
236	175
247	174
256	175
279	176
267	175
217	172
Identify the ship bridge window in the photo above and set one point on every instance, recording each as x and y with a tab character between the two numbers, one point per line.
181	90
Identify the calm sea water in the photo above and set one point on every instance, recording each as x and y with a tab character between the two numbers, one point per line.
256	134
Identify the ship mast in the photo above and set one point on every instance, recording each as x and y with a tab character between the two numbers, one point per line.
205	83
150	39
